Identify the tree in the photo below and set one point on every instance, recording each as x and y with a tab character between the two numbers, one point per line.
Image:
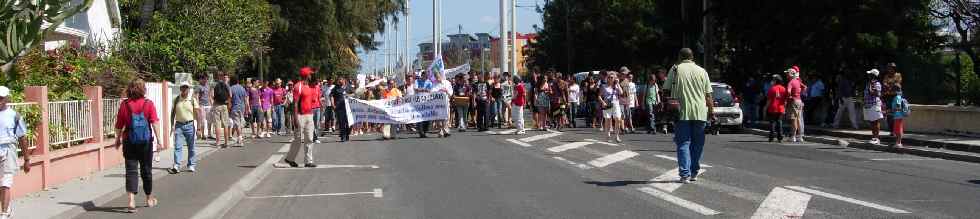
963	17
193	35
326	33
21	23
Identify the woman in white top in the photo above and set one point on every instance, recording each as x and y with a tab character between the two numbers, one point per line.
612	110
574	96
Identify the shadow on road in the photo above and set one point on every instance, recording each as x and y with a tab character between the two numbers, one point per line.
976	181
89	206
617	183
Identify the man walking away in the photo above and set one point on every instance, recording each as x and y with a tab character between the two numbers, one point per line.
221	94
306	96
182	124
776	107
239	101
518	102
12	131
873	104
689	84
203	93
845	100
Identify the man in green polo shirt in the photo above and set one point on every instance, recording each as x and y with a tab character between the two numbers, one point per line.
689	84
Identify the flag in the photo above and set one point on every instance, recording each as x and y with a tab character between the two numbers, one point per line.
436	66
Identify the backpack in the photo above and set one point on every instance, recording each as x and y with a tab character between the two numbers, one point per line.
903	106
139	128
221	93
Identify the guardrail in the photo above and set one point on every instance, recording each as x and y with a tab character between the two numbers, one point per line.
70	122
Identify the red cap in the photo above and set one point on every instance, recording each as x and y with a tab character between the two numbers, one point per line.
305	72
797	68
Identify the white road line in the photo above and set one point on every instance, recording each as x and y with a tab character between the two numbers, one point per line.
235	192
849	200
505	132
376	193
569	146
600	142
326	166
612	158
573	163
511	140
668	181
679	201
782	203
540	137
675	159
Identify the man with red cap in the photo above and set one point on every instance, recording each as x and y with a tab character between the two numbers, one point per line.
305	95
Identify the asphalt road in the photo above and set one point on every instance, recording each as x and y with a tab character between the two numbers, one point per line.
564	175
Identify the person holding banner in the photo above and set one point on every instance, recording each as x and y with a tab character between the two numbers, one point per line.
339	97
389	92
443	86
423	86
306	96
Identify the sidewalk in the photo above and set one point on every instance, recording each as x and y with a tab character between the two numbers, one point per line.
73	197
926	145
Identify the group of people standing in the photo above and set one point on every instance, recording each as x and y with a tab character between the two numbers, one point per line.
796	102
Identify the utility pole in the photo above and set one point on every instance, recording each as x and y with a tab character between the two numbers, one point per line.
503	36
435	29
408	29
513	37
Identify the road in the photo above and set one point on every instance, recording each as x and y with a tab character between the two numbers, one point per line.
568	175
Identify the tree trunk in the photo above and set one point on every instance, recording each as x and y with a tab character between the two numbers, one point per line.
146	12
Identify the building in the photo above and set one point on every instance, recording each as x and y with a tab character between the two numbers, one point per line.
97	27
523	44
459	48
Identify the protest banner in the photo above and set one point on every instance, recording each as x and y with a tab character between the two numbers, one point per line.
405	110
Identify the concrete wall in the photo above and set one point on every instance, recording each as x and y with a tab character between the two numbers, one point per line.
944	120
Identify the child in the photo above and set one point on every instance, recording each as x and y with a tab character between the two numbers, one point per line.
899	108
775	107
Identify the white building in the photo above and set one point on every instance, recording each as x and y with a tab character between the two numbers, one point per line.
98	26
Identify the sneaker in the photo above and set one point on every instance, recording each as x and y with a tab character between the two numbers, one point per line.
310	165
874	141
693	178
291	163
684	180
191	169
174	170
316	141
618	140
899	145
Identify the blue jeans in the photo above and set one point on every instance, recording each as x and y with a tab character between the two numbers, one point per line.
277	117
652	113
461	113
184	136
316	123
689	138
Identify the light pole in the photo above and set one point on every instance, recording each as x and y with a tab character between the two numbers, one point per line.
503	36
513	38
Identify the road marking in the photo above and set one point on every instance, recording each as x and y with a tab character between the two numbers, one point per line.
324	166
521	143
540	137
782	203
675	159
891	159
569	146
376	193
601	142
230	197
573	163
505	132
669	181
679	201
612	158
849	200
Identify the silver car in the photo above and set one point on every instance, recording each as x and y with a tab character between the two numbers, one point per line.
727	111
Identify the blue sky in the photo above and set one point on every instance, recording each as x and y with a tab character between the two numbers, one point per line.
475	16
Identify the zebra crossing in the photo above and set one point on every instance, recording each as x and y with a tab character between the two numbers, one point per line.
587	154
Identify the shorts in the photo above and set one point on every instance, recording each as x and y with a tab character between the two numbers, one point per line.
8	165
268	115
616	112
796	109
237	119
542	109
220	117
899	126
257	115
873	114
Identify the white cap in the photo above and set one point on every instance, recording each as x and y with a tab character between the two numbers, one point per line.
873	71
4	91
188	84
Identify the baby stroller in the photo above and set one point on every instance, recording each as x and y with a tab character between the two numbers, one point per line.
668	113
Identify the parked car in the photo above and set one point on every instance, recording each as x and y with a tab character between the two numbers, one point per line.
727	111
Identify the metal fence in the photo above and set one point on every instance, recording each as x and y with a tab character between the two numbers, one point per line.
110	106
21	108
70	122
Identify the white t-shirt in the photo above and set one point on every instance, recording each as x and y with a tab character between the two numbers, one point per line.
574	93
10	128
631	94
444	86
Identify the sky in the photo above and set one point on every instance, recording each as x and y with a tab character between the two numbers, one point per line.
475	16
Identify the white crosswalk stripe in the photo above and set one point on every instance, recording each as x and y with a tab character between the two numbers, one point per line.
849	200
569	146
612	158
540	137
782	203
675	159
521	143
701	209
669	181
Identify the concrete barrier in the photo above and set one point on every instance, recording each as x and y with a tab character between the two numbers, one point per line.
941	119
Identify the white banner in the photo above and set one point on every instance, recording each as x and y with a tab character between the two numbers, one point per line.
405	110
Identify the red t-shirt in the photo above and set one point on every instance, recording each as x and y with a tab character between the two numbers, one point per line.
138	105
519	95
777	99
278	96
307	99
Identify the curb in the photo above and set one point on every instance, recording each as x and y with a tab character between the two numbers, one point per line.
913	150
236	192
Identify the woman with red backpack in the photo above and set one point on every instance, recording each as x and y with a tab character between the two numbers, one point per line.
138	122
